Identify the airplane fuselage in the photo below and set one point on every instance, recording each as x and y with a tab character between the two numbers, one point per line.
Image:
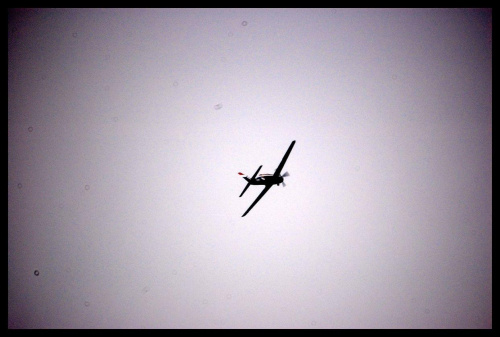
265	179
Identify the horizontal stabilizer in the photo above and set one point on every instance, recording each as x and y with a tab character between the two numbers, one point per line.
246	187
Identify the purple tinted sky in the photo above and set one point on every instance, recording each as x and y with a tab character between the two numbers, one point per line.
126	130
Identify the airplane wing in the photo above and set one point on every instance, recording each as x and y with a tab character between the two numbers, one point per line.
280	167
267	188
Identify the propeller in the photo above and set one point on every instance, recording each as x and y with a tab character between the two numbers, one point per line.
286	174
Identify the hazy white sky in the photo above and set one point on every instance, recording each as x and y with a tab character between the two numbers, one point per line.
127	128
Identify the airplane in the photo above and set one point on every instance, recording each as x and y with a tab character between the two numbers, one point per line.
268	180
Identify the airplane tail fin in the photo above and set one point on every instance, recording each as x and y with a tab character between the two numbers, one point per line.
245	176
249	180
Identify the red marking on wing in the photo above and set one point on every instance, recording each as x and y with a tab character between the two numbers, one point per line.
241	174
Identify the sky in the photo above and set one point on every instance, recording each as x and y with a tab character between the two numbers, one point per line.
127	129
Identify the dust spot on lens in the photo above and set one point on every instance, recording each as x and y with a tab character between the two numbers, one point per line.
218	106
30	129
75	34
87	187
87	303
19	185
313	323
229	296
145	290
244	23
36	273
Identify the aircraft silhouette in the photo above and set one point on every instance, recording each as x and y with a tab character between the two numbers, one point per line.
268	180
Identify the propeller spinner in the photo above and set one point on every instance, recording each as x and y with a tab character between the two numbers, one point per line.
286	174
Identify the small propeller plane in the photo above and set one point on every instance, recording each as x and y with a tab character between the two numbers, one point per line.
268	180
